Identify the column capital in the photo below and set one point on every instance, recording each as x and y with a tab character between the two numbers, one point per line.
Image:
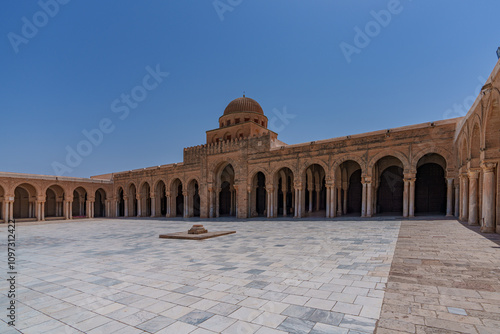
249	189
184	193
488	167
473	173
138	196
330	183
450	179
408	173
366	179
168	193
269	189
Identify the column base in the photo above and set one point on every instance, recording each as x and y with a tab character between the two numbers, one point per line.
487	229
473	224
450	215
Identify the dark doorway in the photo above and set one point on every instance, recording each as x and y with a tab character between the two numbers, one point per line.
99	204
196	201
430	190
354	193
260	193
390	191
225	199
121	204
179	202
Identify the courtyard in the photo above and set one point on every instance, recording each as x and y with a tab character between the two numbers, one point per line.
272	276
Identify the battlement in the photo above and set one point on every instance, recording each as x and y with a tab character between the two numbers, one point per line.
261	143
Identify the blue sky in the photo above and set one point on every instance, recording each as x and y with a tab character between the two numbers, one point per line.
414	64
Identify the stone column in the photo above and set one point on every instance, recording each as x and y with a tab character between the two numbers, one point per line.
125	206
310	199
488	205
186	204
11	210
328	196
333	200
457	198
153	206
301	191
296	207
363	198
42	210
411	202
269	207
211	202
318	192
66	209
6	211
465	197
449	197
473	196
168	194
369	197
139	205
345	200
405	197
339	202
217	199
284	202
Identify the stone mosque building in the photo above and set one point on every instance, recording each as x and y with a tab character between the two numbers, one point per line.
446	167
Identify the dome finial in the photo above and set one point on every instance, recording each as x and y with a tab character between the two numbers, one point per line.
243	93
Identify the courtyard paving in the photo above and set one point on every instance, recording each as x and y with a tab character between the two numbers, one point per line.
117	276
272	276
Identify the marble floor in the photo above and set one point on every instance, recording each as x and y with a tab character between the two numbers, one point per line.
116	276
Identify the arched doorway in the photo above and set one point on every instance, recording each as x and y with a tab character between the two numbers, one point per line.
145	200
227	193
430	190
79	208
348	188
54	198
121	203
390	191
132	201
24	201
161	199
100	203
194	197
285	193
315	200
258	196
354	193
177	198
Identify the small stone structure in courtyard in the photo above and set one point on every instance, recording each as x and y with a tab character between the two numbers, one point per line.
197	232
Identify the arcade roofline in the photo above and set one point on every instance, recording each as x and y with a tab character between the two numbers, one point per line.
492	78
375	133
93	179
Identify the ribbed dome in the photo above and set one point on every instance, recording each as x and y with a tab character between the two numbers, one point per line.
243	104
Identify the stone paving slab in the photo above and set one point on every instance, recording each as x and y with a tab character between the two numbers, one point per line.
117	276
445	278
